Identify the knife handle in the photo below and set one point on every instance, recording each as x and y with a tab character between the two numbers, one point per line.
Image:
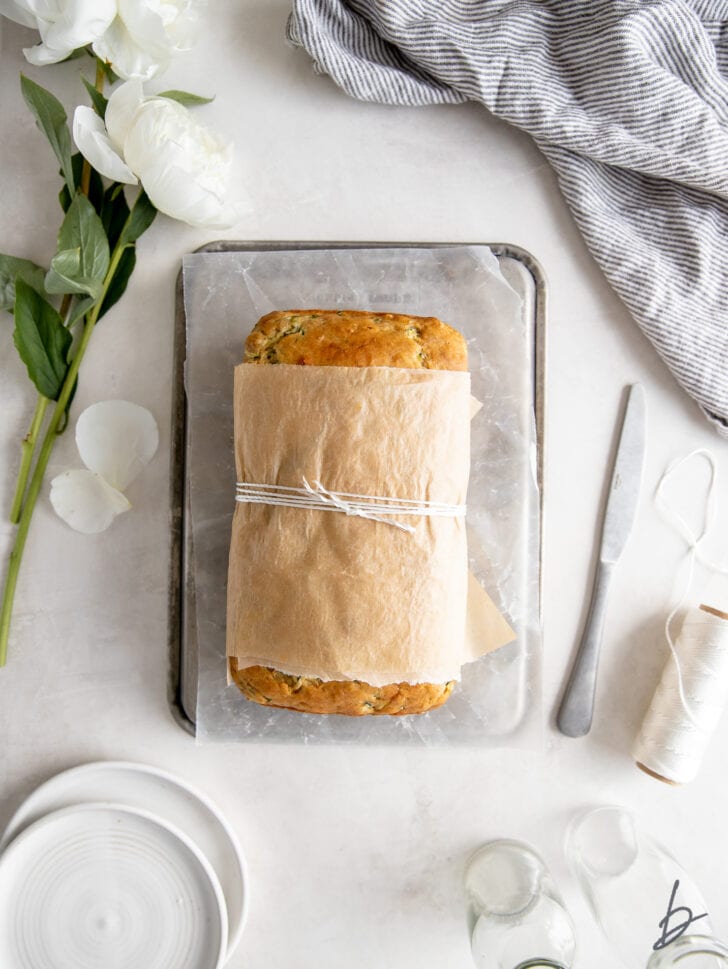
574	718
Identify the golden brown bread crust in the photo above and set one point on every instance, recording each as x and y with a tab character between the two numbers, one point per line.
348	338
353	698
355	338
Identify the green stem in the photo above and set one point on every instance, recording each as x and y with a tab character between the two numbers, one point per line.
49	440
21	512
31	439
36	481
27	450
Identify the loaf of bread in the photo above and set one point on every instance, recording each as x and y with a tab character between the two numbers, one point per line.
348	338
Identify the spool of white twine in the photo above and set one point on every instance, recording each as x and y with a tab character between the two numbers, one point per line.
693	691
689	700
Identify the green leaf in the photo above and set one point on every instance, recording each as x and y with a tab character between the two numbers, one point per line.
82	259
10	269
75	55
184	97
97	98
117	286
42	340
123	228
142	216
83	228
114	213
66	275
111	77
80	308
95	185
50	117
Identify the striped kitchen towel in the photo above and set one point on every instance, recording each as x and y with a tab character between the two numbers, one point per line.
628	100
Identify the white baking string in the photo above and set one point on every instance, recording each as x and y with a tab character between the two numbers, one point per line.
694	542
318	498
693	691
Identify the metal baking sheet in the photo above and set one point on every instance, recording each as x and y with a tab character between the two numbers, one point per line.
519	670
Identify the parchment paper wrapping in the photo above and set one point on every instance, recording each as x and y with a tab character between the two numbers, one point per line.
491	302
319	593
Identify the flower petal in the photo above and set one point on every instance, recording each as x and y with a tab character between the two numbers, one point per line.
117	439
92	140
146	26
18	11
121	110
41	9
146	33
85	501
173	191
40	55
183	166
128	59
77	23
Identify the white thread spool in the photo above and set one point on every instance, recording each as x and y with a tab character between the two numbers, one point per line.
689	700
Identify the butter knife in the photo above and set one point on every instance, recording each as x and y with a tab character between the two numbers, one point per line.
574	718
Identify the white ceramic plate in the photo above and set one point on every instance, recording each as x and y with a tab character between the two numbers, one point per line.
148	788
103	886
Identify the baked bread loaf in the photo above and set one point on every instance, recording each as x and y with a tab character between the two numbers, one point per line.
348	338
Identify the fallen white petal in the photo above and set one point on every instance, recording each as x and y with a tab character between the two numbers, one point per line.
92	140
117	439
85	501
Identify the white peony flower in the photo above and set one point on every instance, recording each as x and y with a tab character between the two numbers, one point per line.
183	167
64	25
137	37
146	34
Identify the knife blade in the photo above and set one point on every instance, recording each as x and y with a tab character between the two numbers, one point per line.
575	714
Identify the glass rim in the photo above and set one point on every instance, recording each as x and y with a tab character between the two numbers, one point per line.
685	947
523	847
540	964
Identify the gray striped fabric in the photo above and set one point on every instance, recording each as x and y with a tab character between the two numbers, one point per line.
628	99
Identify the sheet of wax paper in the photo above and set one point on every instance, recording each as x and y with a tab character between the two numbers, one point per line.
319	593
497	700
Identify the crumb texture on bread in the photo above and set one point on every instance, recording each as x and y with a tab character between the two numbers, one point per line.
348	338
356	338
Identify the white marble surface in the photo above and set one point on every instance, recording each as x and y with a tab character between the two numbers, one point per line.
355	855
